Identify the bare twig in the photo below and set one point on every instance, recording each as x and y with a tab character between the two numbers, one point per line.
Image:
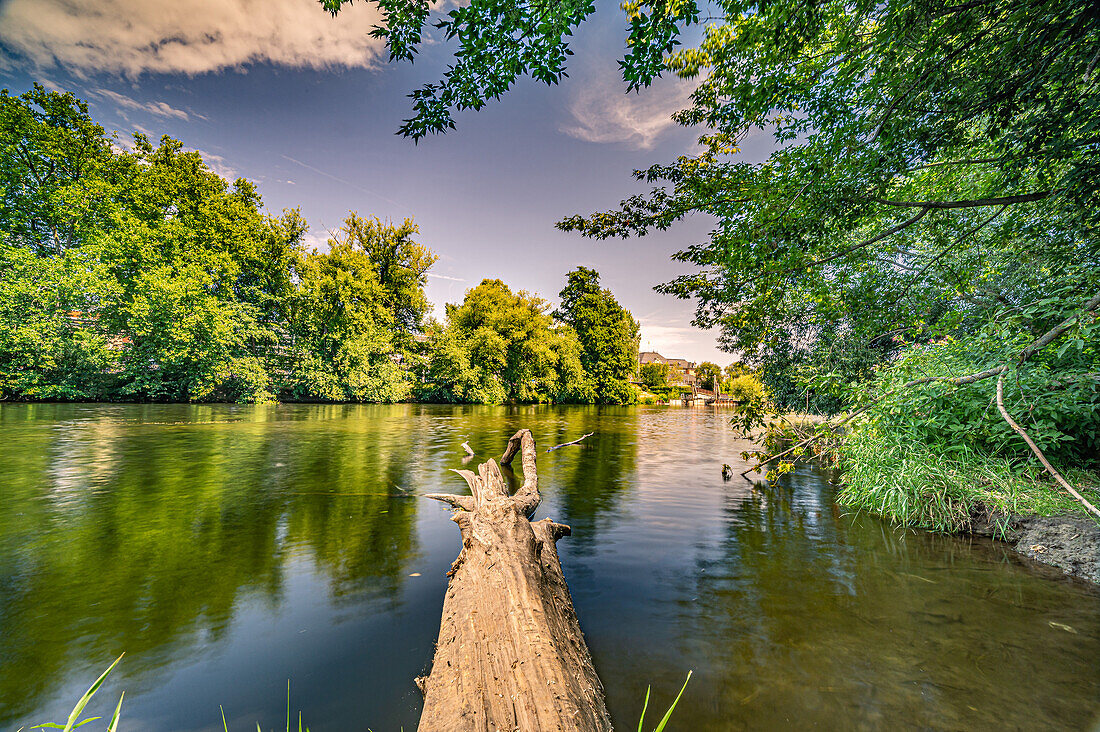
1035	448
567	444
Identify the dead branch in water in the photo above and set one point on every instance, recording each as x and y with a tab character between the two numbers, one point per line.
567	444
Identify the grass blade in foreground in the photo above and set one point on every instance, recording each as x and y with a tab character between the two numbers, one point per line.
72	722
668	715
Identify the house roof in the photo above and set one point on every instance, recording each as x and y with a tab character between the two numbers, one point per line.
653	357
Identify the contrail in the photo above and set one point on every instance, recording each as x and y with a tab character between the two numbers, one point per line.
356	186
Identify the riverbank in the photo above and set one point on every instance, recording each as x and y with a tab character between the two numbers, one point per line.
1070	543
976	494
968	493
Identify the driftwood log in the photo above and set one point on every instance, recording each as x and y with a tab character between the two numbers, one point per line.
510	654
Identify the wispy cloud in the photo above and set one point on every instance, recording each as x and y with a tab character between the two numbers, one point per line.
313	240
676	338
219	165
602	111
445	277
159	109
132	37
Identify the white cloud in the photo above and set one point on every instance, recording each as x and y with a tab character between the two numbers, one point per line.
444	277
602	110
160	109
675	338
312	240
219	165
185	36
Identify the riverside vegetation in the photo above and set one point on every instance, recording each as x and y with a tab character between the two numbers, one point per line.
138	274
929	213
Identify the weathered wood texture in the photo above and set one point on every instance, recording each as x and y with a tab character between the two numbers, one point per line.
510	654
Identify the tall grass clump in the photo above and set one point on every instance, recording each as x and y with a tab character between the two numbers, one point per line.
936	454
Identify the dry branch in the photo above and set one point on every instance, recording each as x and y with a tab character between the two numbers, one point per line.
567	444
510	653
1035	448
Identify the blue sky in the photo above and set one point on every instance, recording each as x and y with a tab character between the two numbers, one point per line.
307	106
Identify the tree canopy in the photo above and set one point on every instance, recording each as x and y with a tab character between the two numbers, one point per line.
140	274
608	335
709	375
502	346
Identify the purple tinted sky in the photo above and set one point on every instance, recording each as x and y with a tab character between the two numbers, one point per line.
238	87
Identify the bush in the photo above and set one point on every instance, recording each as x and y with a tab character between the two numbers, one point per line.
932	454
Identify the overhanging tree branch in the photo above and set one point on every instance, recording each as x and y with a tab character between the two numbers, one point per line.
973	203
917	277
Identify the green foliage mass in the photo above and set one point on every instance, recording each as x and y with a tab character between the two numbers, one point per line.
709	375
138	274
936	453
607	333
499	346
655	375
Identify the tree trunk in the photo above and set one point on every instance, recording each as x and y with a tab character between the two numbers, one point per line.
510	654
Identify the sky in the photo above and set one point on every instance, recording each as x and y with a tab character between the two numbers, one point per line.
307	106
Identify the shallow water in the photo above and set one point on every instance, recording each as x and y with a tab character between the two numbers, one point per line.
227	549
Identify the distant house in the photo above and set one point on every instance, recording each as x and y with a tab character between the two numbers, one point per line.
681	371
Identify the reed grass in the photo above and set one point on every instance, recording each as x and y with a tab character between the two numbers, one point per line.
74	720
668	715
915	484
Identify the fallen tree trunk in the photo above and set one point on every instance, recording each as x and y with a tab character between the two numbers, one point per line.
510	653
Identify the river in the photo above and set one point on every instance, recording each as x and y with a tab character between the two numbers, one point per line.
229	549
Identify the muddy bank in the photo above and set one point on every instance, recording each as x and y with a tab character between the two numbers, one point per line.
1070	543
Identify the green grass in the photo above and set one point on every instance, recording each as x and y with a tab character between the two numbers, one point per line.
668	715
916	485
74	720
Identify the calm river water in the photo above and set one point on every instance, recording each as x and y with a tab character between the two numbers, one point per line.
228	549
